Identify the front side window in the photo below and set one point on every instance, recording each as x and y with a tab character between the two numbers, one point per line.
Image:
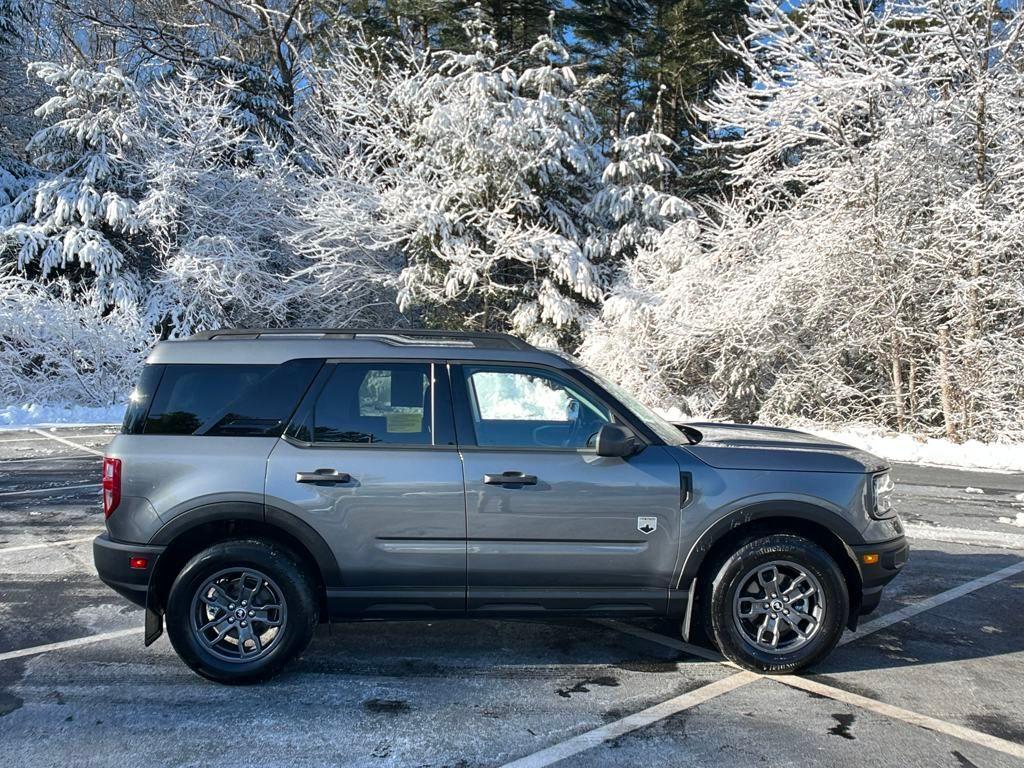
531	408
375	403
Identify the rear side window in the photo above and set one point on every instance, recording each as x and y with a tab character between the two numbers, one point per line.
140	399
375	403
223	400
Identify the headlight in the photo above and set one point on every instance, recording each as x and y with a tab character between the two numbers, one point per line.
880	504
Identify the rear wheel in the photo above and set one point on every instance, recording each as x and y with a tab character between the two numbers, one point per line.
777	604
240	610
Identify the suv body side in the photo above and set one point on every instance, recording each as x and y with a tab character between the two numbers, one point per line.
417	530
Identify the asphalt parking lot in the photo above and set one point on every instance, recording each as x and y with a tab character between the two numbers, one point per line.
934	678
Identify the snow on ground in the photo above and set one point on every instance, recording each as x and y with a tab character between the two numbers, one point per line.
909	449
934	532
36	415
1017	520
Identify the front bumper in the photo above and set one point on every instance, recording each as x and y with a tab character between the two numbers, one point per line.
113	564
892	556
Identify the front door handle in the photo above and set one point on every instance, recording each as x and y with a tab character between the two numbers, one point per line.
510	478
323	476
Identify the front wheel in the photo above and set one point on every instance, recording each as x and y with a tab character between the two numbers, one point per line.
240	610
777	604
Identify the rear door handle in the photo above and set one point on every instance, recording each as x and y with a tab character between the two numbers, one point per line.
510	478
326	476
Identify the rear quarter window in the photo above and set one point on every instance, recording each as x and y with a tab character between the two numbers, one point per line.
223	400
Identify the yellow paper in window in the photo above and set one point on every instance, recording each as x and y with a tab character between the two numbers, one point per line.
405	422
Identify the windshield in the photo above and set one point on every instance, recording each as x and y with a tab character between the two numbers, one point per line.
656	423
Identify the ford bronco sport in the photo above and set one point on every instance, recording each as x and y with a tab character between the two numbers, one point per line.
265	481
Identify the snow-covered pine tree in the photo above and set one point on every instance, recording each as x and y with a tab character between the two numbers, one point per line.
12	169
631	208
499	170
473	185
648	235
77	218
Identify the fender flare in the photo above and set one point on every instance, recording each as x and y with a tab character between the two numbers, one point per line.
842	529
229	511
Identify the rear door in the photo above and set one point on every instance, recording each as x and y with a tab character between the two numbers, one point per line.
370	462
551	525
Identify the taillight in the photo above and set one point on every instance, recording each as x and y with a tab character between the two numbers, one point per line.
111	485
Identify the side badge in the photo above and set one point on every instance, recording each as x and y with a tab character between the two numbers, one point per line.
647	524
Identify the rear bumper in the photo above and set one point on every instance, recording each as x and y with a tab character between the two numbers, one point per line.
112	560
892	556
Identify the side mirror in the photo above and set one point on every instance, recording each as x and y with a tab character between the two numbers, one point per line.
617	440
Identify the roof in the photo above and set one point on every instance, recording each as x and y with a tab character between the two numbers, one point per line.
270	346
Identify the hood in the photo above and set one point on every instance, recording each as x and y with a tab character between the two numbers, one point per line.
746	446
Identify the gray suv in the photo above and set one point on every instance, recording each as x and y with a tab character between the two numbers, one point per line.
266	481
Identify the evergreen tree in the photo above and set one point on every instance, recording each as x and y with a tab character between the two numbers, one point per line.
77	217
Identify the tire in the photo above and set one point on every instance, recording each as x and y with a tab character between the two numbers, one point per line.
274	624
741	593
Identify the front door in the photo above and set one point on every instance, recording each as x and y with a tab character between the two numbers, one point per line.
551	525
370	463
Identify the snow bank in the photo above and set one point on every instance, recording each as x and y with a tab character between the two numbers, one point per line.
908	449
971	454
36	415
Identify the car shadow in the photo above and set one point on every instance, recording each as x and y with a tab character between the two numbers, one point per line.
482	648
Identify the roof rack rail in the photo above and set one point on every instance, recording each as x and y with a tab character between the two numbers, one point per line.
388	335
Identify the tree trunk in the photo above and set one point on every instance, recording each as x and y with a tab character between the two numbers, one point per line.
912	389
946	390
897	385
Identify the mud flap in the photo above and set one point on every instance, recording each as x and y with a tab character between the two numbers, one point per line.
154	626
154	618
688	616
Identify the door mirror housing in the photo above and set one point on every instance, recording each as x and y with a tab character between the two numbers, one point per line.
617	440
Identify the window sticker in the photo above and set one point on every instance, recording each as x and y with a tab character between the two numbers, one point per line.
405	422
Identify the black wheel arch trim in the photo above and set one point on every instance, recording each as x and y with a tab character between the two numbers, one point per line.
228	511
842	529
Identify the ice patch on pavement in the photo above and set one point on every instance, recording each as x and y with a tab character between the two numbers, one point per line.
105	617
1017	521
64	415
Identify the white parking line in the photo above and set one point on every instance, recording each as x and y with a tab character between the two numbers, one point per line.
51	490
25	547
641	719
837	694
905	715
932	602
37	649
66	442
23	459
6	440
